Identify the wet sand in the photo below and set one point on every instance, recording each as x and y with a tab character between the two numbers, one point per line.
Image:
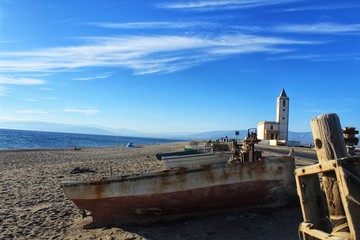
34	207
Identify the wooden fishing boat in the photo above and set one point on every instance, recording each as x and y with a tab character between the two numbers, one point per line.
247	180
181	192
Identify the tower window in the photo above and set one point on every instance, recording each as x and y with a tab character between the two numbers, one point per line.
283	118
271	127
283	109
284	103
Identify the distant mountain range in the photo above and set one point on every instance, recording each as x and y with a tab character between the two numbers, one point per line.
67	128
303	137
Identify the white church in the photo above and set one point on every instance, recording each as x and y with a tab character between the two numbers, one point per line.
276	132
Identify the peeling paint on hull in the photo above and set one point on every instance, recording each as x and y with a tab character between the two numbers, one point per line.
174	193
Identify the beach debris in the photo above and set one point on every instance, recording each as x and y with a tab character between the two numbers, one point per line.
81	170
130	145
77	148
247	152
83	213
329	191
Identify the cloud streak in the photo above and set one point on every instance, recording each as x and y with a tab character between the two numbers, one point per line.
319	57
142	54
103	76
20	81
155	25
328	6
223	4
320	28
85	111
31	111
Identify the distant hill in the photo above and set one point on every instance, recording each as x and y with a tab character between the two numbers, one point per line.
217	134
67	128
303	137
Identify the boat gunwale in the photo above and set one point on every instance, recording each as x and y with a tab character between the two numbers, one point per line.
171	157
167	172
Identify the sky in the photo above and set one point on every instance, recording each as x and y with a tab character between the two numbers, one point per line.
178	66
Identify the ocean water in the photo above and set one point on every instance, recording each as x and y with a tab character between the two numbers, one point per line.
20	139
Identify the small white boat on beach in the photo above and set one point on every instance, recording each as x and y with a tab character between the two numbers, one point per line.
196	159
195	155
198	147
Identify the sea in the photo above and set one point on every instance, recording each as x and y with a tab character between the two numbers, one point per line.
24	139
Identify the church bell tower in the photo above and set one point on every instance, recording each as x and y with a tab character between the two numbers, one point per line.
282	115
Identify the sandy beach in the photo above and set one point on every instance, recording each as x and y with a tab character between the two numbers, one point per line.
34	207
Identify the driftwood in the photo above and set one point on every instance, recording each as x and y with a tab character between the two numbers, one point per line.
335	214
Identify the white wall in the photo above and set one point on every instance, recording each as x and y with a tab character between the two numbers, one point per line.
260	130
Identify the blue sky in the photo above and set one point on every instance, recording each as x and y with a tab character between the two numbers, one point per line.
178	66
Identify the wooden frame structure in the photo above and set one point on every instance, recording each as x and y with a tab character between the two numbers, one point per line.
312	198
329	191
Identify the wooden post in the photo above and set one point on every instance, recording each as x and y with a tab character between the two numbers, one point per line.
330	145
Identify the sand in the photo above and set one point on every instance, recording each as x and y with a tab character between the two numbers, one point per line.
34	207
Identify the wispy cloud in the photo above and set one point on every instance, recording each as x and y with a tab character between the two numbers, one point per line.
155	25
223	4
334	110
102	76
320	28
46	89
31	100
143	54
318	57
31	111
328	6
20	81
85	111
12	118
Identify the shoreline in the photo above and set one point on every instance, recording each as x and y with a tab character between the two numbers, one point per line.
22	139
83	148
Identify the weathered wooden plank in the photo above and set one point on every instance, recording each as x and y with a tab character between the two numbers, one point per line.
350	192
318	234
329	145
312	202
317	168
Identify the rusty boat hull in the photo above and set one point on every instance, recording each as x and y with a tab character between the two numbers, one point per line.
171	194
